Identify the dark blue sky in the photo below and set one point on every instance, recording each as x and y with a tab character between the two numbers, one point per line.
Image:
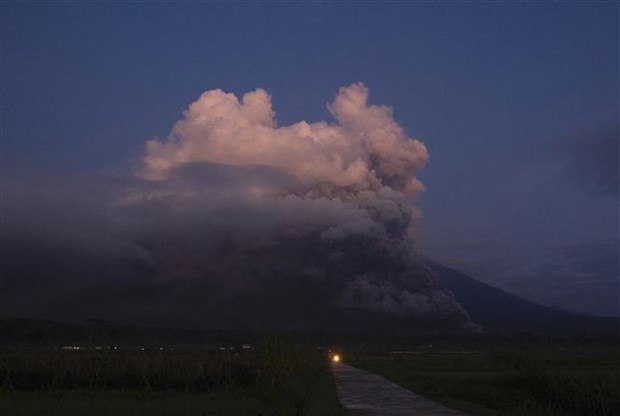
517	103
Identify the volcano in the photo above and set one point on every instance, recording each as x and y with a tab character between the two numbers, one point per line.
500	312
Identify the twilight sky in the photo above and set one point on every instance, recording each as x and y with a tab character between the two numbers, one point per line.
516	104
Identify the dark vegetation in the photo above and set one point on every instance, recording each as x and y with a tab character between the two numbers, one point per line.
185	372
536	379
276	377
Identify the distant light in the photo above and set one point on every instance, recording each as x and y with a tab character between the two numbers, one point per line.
336	358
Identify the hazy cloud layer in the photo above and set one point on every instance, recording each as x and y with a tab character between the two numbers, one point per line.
591	160
585	275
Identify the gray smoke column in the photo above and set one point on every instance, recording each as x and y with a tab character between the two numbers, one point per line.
264	210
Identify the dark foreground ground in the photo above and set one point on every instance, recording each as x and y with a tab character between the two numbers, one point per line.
276	377
530	380
279	376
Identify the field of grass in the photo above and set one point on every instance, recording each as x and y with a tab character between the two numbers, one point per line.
278	377
535	381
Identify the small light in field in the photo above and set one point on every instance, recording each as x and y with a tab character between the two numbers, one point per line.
336	358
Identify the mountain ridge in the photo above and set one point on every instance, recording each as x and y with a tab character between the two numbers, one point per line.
501	312
497	312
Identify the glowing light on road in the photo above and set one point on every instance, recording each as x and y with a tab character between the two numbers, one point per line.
336	358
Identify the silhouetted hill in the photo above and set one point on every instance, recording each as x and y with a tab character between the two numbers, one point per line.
498	312
503	313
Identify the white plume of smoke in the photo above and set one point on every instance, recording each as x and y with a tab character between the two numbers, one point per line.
335	198
365	150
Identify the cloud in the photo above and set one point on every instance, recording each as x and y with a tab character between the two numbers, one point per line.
584	277
364	150
235	216
592	160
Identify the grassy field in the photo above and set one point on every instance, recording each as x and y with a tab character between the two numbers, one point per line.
278	377
532	381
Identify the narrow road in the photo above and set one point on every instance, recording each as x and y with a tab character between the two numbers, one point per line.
365	394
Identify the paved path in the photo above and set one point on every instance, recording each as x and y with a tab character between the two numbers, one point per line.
365	394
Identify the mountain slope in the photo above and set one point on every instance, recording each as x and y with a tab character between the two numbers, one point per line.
305	310
501	312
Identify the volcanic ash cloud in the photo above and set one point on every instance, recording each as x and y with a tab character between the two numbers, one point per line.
328	204
364	150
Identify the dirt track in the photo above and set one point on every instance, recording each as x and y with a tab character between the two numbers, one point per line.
365	394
